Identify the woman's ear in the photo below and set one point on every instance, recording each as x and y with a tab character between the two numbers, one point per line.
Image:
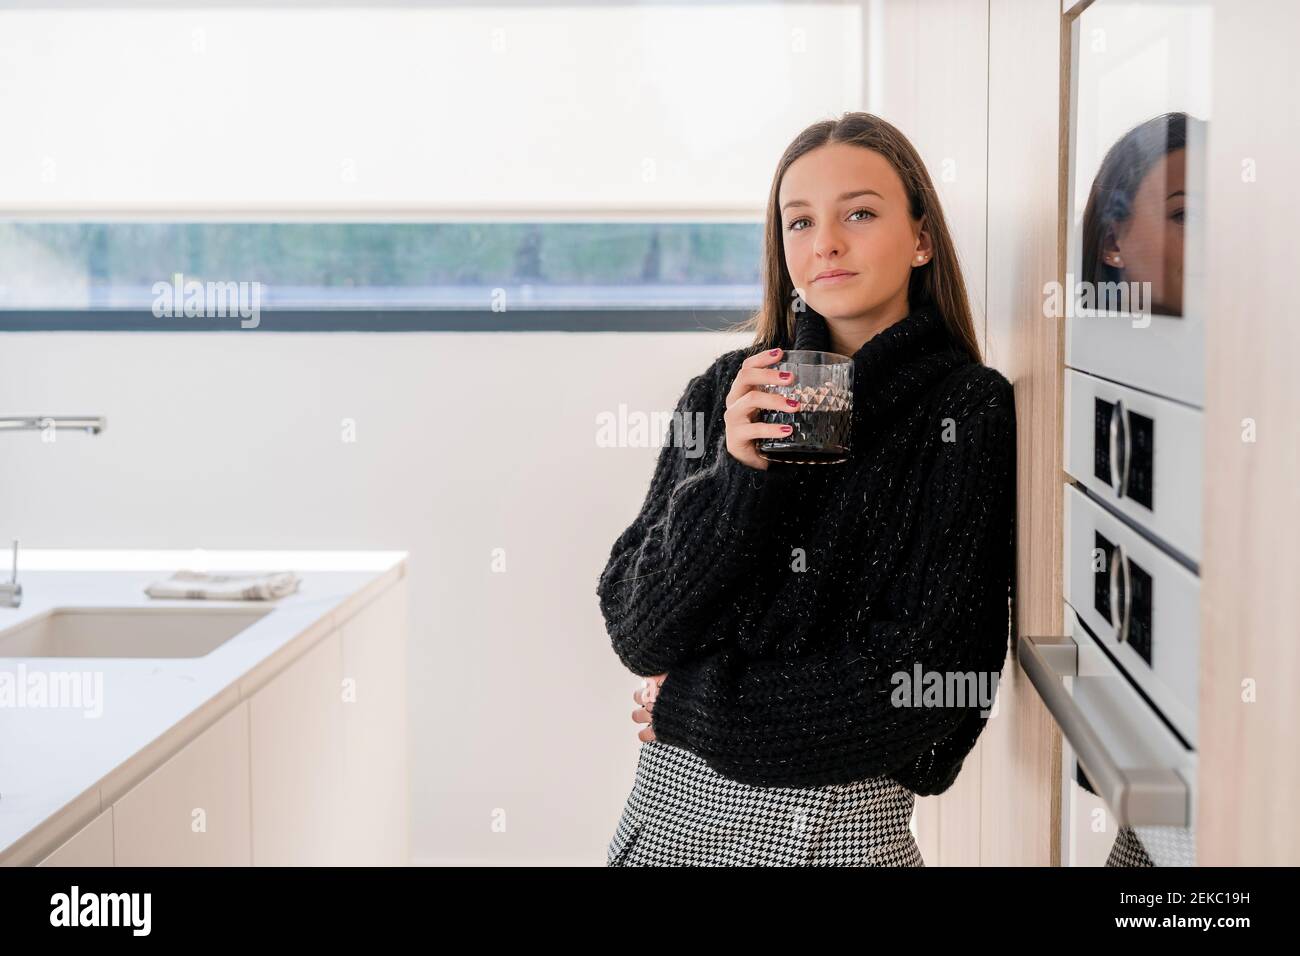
924	246
1110	251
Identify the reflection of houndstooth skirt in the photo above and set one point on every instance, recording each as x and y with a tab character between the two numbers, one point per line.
681	812
1154	846
1127	850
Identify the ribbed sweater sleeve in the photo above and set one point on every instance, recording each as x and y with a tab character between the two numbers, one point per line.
699	528
832	716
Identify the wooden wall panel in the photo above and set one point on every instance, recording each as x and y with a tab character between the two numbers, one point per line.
1250	605
1022	752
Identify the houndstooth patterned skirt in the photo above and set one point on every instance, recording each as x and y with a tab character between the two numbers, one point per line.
681	812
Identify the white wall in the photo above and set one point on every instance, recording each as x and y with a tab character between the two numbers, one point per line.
464	443
473	109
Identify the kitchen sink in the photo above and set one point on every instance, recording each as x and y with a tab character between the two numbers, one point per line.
128	631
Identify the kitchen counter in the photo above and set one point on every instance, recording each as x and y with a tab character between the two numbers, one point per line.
59	767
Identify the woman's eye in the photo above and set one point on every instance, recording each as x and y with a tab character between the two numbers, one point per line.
866	212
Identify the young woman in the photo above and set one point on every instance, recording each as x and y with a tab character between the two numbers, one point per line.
821	641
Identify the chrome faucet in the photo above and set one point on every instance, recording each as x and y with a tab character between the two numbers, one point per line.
93	424
11	592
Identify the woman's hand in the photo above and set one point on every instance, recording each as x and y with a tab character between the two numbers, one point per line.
645	697
747	398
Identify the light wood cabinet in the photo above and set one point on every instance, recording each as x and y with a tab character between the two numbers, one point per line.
1250	659
91	846
193	810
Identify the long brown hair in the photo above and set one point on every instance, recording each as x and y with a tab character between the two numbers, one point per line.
937	284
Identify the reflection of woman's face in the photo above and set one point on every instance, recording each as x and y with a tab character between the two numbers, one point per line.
1148	246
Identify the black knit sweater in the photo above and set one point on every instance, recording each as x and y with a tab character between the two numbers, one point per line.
783	604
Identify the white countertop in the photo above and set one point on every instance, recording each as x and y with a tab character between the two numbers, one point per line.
59	765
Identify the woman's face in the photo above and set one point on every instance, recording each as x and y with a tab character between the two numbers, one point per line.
843	208
1148	246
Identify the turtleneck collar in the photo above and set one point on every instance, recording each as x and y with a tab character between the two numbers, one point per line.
894	366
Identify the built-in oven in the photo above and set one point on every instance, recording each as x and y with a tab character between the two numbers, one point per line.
1123	680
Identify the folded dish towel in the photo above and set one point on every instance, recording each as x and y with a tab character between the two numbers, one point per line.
265	586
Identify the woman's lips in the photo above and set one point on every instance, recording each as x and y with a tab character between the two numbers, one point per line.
833	280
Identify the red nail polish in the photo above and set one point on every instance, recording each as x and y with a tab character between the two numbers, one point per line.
774	352
791	402
786	374
785	428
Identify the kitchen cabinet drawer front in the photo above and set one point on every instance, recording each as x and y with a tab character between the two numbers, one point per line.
1141	454
194	809
296	751
374	825
92	845
1143	606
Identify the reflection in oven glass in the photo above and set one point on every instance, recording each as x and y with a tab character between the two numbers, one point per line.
1145	845
1133	221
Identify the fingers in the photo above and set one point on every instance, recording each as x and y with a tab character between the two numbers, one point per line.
742	427
747	398
754	372
649	690
748	434
745	406
645	696
760	359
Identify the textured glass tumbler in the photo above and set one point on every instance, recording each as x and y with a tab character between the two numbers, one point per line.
823	384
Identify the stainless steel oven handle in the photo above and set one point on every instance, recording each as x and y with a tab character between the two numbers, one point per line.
1119	616
1137	796
1118	427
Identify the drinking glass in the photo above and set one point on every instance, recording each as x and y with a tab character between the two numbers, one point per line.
821	425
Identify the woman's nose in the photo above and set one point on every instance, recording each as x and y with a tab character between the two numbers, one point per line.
828	242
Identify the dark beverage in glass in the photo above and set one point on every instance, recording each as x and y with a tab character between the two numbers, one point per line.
821	425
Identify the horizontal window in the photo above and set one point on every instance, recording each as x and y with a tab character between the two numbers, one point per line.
493	267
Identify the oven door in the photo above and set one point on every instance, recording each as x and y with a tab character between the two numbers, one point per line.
1143	774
